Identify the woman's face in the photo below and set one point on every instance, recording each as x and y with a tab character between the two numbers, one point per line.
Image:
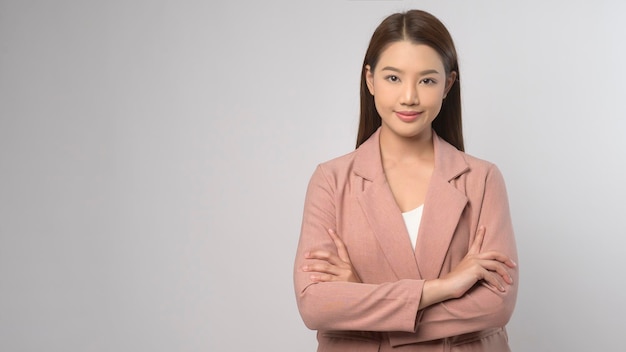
409	84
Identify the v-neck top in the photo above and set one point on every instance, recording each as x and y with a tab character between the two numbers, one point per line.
412	220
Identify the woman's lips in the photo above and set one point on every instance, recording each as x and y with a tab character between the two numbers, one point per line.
408	116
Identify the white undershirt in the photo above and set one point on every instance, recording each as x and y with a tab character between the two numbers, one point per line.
412	219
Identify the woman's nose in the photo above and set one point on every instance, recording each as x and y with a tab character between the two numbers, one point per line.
409	95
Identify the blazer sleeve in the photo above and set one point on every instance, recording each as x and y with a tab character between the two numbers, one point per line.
343	305
481	307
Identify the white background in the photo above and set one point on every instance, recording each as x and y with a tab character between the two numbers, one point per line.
154	157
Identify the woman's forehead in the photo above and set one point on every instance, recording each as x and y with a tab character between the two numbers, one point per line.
410	57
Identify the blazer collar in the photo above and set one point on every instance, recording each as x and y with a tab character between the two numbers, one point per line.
442	209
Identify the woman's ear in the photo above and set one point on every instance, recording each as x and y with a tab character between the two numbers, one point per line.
369	79
449	82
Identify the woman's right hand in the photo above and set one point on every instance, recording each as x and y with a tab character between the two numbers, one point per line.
332	267
492	267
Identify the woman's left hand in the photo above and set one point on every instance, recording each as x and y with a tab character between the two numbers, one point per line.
331	266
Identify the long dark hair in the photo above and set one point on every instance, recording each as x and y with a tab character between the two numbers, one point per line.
419	27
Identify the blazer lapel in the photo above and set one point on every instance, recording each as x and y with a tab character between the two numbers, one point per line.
381	210
443	207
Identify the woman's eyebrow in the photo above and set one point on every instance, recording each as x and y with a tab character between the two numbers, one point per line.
422	73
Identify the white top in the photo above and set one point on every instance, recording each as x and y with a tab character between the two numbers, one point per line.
412	220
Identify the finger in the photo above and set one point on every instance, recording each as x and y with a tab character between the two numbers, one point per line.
322	277
324	268
499	256
498	268
495	281
478	241
342	251
324	255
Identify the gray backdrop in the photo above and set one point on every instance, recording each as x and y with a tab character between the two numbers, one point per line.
154	157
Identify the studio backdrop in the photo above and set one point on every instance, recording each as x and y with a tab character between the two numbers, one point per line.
154	157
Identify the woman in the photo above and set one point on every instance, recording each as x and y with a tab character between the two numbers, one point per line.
407	242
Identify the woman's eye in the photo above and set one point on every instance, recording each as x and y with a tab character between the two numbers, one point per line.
428	81
393	78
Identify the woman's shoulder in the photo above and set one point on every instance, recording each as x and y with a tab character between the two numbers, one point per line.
452	159
477	162
338	166
334	173
481	171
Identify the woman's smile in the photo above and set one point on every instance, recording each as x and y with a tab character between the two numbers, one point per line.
408	116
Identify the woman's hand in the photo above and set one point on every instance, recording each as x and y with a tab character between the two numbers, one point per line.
331	266
492	267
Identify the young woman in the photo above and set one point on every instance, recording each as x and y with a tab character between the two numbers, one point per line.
407	242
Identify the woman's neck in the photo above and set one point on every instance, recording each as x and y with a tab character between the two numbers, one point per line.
396	149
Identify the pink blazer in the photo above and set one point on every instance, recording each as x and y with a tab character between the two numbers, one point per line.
351	194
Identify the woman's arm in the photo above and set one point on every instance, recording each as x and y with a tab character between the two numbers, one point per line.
483	306
491	267
470	312
336	305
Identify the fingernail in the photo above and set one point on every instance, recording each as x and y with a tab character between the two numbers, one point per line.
305	268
